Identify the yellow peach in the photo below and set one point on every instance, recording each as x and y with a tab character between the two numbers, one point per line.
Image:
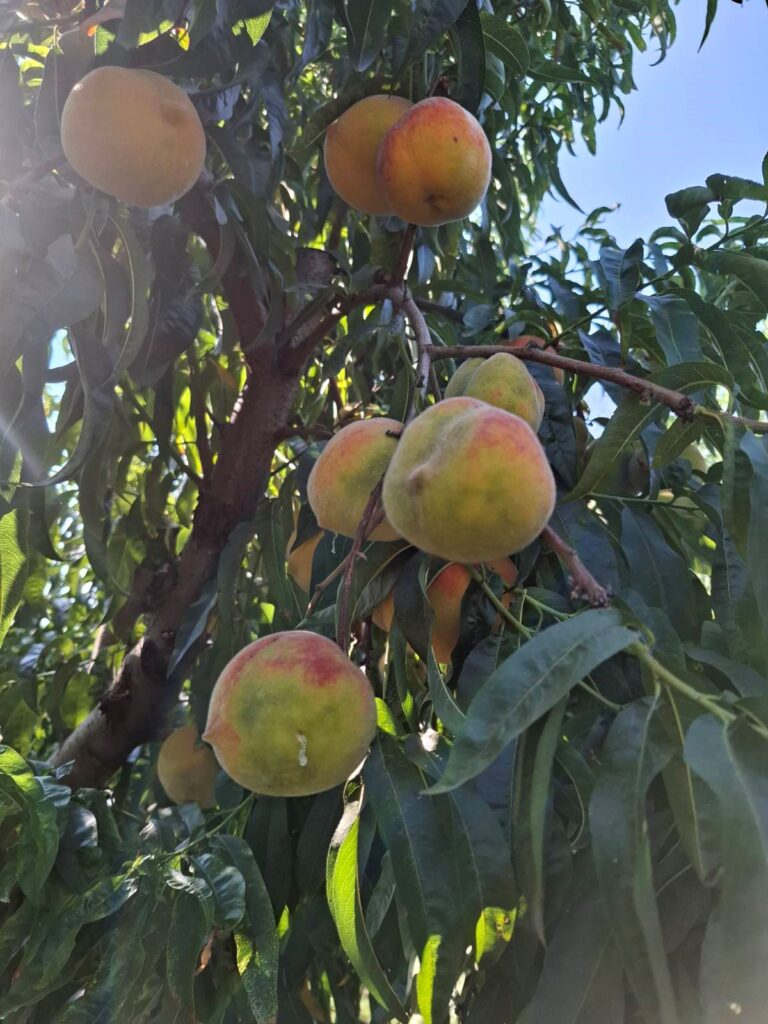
290	715
299	560
134	135
351	145
434	164
502	381
468	482
187	768
347	470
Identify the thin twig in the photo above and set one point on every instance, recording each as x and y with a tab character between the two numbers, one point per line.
19	188
373	515
583	584
423	344
404	257
197	403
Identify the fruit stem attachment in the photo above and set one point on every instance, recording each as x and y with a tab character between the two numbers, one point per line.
583	584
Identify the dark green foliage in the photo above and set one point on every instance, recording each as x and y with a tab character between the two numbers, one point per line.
570	826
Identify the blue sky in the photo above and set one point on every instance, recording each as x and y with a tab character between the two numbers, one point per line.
694	114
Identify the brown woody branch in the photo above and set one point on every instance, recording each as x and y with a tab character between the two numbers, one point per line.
582	583
373	515
136	704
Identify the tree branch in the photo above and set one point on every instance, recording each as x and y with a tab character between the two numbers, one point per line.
583	584
373	515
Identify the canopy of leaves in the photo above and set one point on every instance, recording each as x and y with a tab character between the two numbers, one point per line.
570	823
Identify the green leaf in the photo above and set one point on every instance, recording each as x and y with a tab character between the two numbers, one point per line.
505	42
39	838
621	269
732	762
228	888
471	58
554	71
188	929
530	682
256	938
368	21
636	751
658	573
634	415
580	980
752	272
343	888
725	186
430	19
530	813
690	206
416	831
677	329
14	563
711	12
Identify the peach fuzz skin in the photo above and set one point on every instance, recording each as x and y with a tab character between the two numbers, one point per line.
133	134
187	768
351	146
290	715
299	560
347	470
503	381
469	482
434	165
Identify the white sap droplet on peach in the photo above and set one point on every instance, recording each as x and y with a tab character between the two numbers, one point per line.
303	759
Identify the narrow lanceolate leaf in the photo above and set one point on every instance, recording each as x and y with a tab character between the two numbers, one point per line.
343	888
635	752
732	762
416	831
530	682
13	566
581	980
430	19
368	20
757	561
752	272
530	812
634	415
677	328
189	926
507	43
470	53
39	834
256	939
621	269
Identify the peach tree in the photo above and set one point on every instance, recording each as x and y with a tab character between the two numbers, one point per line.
562	815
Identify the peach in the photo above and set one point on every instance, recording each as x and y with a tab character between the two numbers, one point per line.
530	339
347	470
502	381
187	768
434	164
445	594
351	145
134	135
299	560
469	482
290	715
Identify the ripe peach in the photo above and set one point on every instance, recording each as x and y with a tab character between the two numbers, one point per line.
445	594
434	165
187	768
348	469
530	339
351	145
290	715
134	135
299	560
469	482
502	381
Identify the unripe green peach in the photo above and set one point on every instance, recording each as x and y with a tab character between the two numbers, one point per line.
187	768
502	381
434	164
351	145
469	482
290	715
524	340
347	470
133	134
